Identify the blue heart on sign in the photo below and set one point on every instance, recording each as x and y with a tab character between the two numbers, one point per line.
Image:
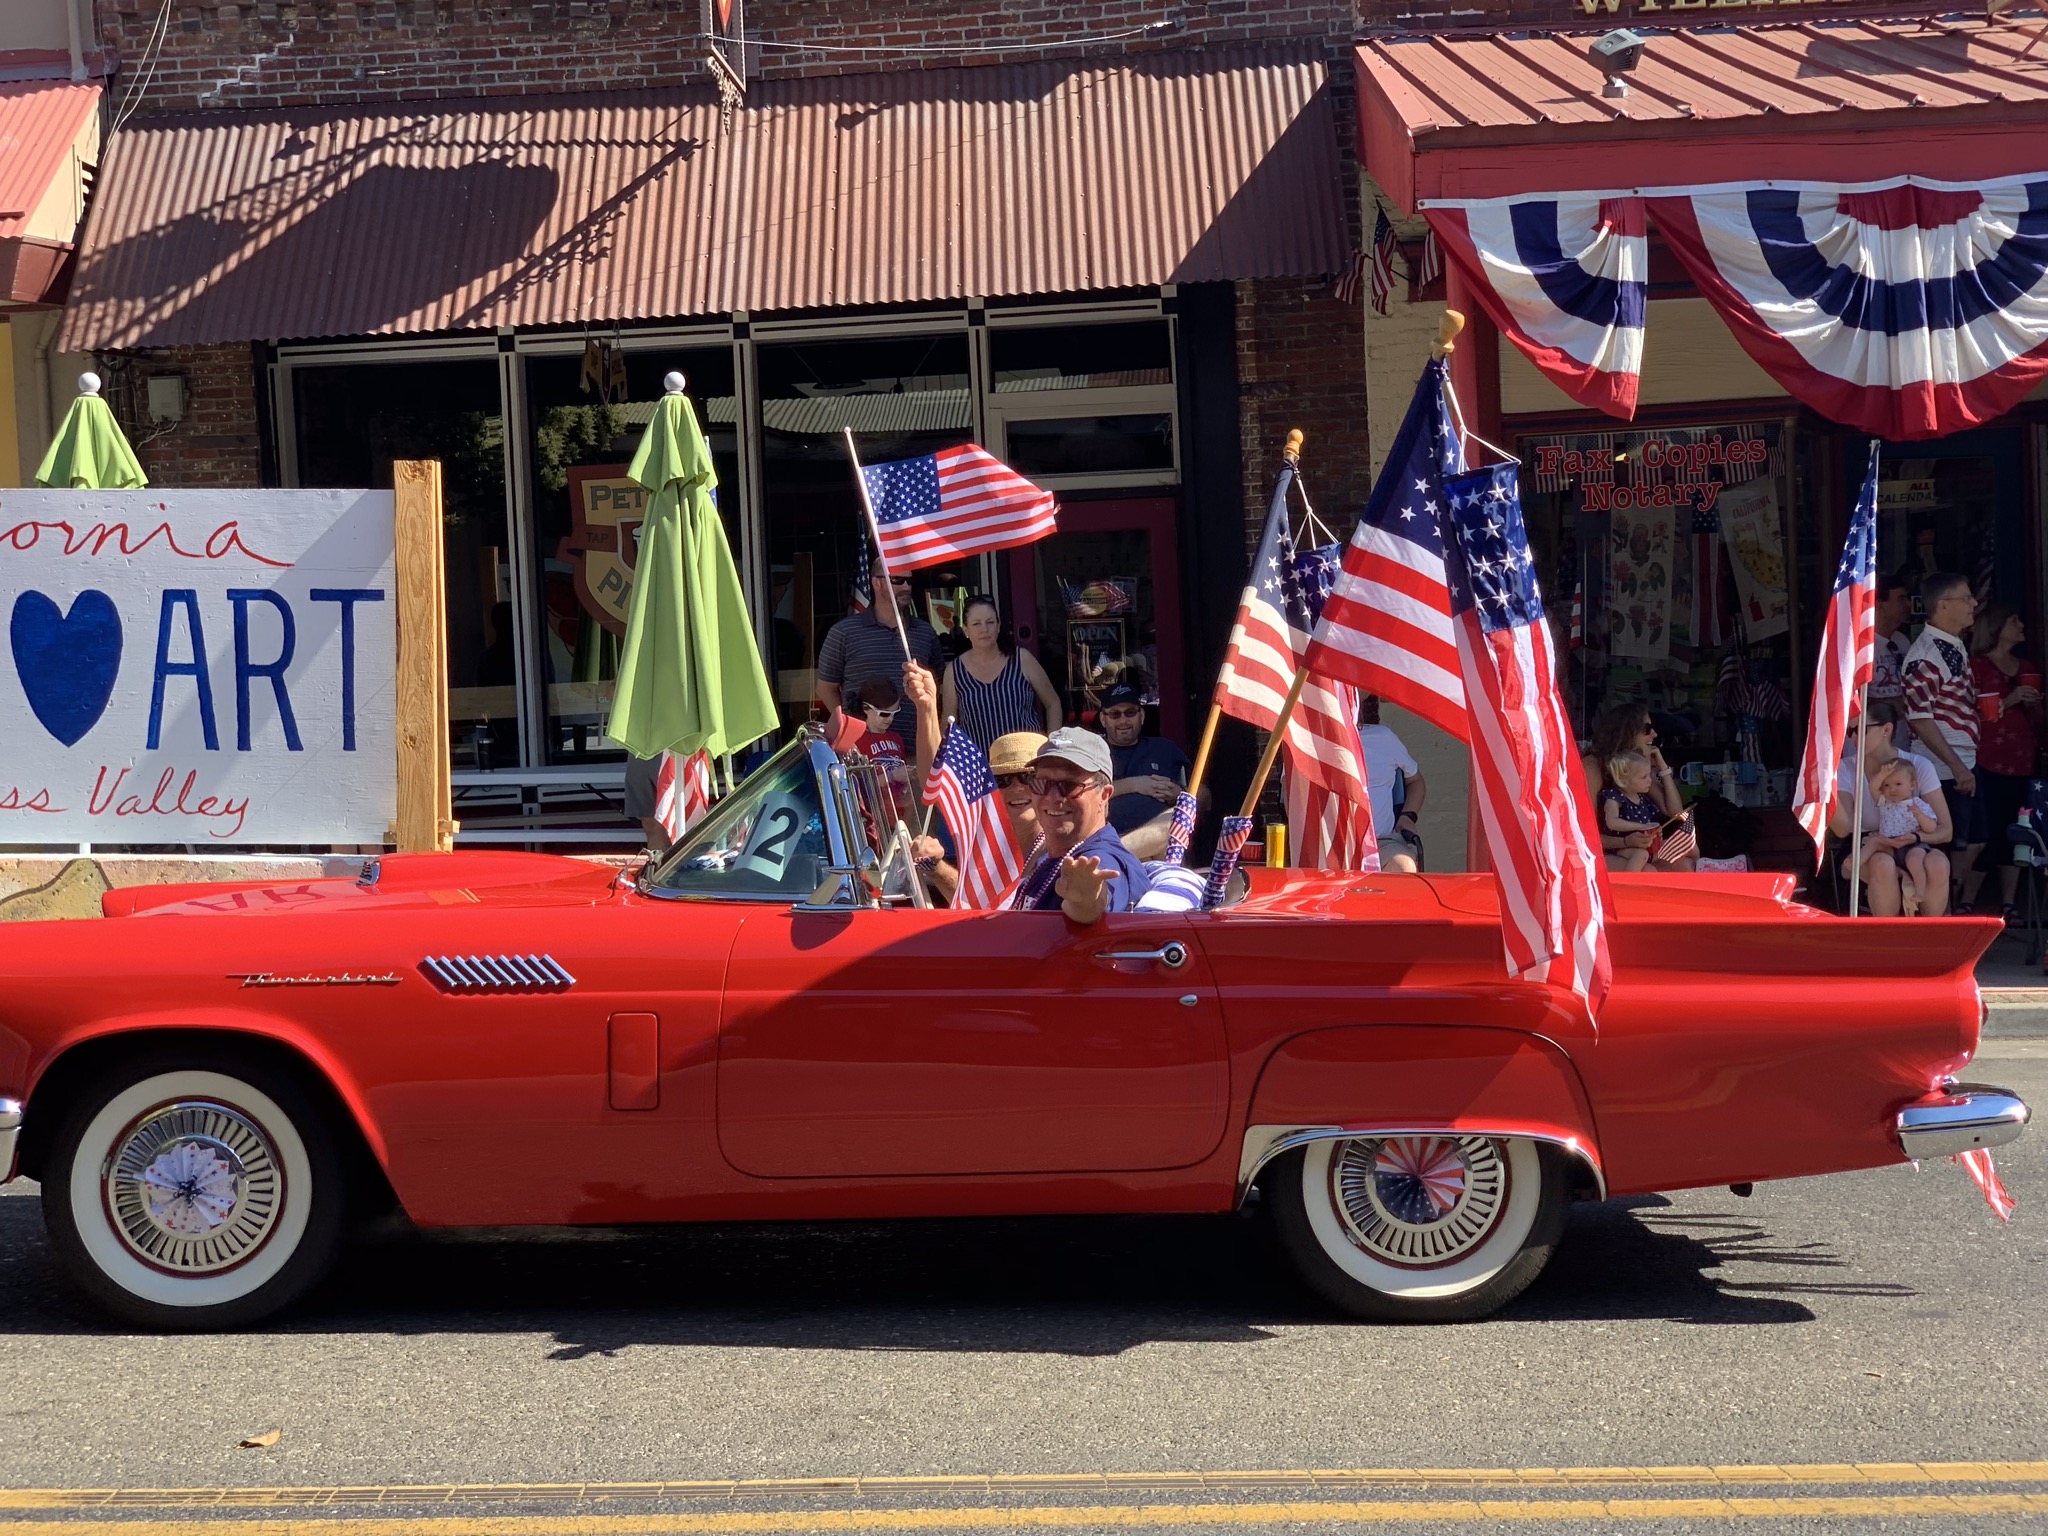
66	662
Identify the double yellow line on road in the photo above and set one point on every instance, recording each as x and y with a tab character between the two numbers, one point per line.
1093	1516
1538	1494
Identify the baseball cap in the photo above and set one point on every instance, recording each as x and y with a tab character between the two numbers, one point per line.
1013	753
1084	749
1122	693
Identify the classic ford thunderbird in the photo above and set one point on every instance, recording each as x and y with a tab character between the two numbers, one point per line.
771	1024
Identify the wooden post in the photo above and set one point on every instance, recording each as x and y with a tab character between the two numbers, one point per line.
426	814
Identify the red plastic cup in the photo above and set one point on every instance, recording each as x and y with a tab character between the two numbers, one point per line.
2030	680
1987	705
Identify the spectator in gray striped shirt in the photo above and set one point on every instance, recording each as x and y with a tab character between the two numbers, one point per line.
864	645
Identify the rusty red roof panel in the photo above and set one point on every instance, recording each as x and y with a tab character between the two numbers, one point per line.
39	122
1453	83
850	190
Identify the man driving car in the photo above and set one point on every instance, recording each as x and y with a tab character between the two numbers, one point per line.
1084	869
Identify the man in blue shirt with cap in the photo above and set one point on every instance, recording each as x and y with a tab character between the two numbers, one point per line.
1084	869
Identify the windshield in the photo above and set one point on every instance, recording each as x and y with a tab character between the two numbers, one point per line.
767	839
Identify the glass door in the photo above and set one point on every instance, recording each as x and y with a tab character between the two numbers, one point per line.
1099	603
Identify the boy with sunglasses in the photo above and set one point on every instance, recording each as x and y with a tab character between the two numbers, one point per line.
1084	869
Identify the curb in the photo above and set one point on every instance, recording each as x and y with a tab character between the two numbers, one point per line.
2016	1013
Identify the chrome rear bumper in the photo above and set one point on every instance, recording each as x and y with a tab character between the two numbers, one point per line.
1959	1118
10	1133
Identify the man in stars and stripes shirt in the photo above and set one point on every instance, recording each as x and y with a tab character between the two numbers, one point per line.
1386	628
1526	780
950	504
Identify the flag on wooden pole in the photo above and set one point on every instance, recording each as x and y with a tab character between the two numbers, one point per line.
1848	650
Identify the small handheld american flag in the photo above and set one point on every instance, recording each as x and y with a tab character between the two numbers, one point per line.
1848	650
951	504
964	790
1680	842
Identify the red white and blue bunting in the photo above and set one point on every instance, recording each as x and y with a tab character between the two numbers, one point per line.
1564	276
1906	308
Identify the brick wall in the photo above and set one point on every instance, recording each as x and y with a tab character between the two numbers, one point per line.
254	53
1301	364
218	442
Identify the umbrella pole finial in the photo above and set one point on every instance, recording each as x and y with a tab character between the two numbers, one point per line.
673	383
88	383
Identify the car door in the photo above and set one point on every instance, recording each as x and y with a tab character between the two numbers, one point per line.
898	1041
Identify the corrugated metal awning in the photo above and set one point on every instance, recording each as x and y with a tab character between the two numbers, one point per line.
1492	114
850	190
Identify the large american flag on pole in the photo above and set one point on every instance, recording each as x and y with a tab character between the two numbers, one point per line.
1526	776
1324	756
953	503
1848	649
964	790
1386	628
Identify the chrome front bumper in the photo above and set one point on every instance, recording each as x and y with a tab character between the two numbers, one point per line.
10	1133
1959	1118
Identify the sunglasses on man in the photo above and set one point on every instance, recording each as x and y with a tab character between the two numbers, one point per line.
1067	789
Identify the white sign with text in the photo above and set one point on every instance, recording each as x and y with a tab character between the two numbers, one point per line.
210	668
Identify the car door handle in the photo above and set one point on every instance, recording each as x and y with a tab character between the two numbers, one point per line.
1173	956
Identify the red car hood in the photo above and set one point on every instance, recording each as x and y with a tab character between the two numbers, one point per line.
417	880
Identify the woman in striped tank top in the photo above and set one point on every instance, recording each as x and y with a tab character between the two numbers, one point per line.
993	688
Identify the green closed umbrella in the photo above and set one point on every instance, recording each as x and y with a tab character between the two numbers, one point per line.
90	453
690	674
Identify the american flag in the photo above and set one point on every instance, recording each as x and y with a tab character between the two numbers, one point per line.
1387	627
1711	581
1325	760
861	589
951	504
1345	289
1848	647
1430	266
1525	767
1681	842
1381	263
681	795
964	790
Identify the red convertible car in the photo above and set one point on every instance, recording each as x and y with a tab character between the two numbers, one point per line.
760	1027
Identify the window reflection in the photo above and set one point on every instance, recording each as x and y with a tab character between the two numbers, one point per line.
352	422
901	398
587	516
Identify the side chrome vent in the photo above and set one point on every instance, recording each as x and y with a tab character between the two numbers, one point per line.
473	974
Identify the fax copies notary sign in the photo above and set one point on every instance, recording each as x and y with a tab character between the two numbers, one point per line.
201	667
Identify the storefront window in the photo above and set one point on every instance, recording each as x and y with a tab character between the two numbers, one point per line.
587	515
1674	538
1091	445
901	397
352	422
1941	507
1085	404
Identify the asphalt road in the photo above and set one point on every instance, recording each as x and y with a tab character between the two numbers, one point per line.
1882	1317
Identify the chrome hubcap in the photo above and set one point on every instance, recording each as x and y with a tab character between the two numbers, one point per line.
1419	1201
194	1188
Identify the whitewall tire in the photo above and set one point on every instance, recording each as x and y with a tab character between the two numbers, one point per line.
1419	1228
194	1196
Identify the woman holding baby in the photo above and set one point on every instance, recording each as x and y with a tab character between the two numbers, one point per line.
1905	820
